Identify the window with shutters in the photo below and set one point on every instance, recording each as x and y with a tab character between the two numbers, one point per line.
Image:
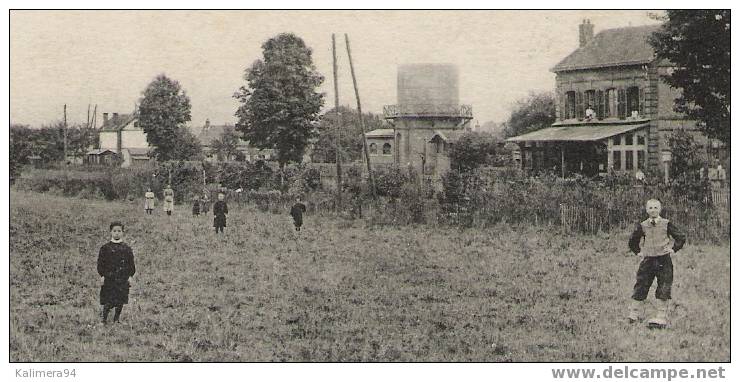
621	104
633	100
628	139
570	105
600	104
610	103
617	140
589	99
628	160
580	110
640	139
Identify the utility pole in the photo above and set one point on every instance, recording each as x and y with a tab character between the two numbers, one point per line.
362	123
95	117
88	116
338	122
65	133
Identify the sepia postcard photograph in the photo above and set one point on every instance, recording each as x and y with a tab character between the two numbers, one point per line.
370	186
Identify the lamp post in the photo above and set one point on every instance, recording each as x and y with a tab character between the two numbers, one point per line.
666	157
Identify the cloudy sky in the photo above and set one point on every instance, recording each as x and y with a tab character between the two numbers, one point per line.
108	57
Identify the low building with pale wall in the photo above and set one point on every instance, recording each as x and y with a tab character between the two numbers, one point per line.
122	134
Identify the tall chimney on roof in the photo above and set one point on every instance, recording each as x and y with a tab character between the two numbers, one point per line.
105	119
585	33
115	116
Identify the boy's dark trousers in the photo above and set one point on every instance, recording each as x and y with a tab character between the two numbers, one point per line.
116	314
658	267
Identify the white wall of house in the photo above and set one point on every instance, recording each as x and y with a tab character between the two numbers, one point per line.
108	140
135	139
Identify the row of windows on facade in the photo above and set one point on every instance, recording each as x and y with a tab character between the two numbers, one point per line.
374	148
631	157
610	103
628	140
439	147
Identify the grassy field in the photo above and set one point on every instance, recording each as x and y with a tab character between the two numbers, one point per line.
342	291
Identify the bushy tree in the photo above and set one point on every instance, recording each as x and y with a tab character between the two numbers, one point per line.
535	112
280	103
473	150
186	146
225	145
686	164
80	139
20	148
697	42
48	143
163	111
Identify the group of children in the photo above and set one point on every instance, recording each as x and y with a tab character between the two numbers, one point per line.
655	239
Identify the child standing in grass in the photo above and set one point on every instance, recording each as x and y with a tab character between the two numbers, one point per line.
652	240
204	206
149	200
297	212
196	206
115	265
169	200
220	210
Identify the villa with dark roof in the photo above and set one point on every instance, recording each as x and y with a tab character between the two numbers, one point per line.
613	110
122	135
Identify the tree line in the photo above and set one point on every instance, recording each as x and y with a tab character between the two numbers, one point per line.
279	104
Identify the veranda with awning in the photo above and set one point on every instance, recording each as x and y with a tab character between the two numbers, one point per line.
588	149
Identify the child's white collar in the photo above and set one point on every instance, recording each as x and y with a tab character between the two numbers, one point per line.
116	241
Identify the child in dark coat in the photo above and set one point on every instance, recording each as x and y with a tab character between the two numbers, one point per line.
220	210
196	206
297	212
115	265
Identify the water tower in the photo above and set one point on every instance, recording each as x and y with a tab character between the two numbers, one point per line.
428	117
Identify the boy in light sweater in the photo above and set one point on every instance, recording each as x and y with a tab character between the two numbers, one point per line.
655	239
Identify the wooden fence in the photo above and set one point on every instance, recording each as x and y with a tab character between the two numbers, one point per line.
700	222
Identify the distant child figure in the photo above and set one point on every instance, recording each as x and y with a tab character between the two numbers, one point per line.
196	206
204	203
149	200
116	265
220	210
652	239
297	212
169	200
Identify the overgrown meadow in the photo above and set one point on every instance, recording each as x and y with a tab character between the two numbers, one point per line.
343	290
